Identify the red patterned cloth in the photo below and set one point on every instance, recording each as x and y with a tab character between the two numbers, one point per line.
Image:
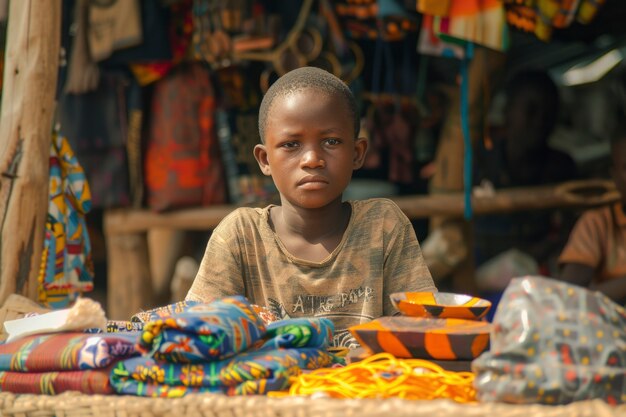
65	352
183	166
94	381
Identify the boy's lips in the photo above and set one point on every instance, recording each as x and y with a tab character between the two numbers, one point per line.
312	180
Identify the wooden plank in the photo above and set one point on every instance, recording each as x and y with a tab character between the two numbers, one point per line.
30	78
590	193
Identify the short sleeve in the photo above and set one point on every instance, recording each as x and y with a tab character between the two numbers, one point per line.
585	242
405	268
220	273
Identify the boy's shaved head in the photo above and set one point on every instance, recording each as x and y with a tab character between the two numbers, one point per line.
304	78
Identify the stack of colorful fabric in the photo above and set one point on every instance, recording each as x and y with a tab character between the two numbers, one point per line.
54	363
222	347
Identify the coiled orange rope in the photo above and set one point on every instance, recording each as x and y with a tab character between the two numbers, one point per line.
383	376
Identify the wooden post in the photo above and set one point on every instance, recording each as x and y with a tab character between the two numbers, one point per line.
30	79
129	286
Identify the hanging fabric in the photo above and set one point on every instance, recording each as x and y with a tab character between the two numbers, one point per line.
430	44
66	267
183	165
479	21
434	7
167	38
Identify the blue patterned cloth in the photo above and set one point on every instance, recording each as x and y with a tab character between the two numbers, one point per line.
254	372
204	332
299	333
66	266
222	347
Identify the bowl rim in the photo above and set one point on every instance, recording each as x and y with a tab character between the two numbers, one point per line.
482	303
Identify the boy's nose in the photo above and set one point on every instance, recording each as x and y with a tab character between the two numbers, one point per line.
313	159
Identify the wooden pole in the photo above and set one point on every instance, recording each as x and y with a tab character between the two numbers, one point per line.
129	283
30	78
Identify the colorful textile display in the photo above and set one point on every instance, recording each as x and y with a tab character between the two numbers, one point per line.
542	16
299	333
224	347
122	326
162	311
183	165
65	352
430	44
204	332
92	381
66	266
167	310
554	343
255	372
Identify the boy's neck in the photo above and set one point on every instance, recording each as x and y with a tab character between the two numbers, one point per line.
311	234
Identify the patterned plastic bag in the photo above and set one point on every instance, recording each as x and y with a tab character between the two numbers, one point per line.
554	343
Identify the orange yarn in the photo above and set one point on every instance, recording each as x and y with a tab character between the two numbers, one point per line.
384	376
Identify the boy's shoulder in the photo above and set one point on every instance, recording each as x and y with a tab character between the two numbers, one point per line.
243	216
377	207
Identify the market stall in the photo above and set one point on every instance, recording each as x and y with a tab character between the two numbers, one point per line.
553	349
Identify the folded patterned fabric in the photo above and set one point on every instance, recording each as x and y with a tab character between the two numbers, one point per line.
91	381
163	311
65	352
203	332
121	326
254	372
298	333
181	306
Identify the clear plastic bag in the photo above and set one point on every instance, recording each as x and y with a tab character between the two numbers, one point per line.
554	343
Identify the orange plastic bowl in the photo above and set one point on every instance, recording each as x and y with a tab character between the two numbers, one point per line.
415	337
440	305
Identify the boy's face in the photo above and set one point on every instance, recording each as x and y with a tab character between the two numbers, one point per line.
309	148
618	156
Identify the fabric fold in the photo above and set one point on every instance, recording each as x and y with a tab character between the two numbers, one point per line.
254	372
65	352
203	332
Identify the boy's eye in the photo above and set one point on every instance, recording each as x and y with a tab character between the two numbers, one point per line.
289	145
332	141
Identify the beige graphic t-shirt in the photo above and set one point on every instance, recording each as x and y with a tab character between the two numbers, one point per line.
378	255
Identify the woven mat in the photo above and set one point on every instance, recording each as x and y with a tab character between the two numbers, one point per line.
73	404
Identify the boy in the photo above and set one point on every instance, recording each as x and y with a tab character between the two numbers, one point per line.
595	255
313	255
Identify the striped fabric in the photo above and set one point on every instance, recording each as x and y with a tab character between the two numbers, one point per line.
65	352
95	381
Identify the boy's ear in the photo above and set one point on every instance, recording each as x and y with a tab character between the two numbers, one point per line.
360	150
260	154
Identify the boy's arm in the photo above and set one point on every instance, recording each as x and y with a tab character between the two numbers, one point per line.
582	275
405	268
220	274
578	274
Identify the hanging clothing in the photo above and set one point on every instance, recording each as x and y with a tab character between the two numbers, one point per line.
66	267
183	165
479	21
